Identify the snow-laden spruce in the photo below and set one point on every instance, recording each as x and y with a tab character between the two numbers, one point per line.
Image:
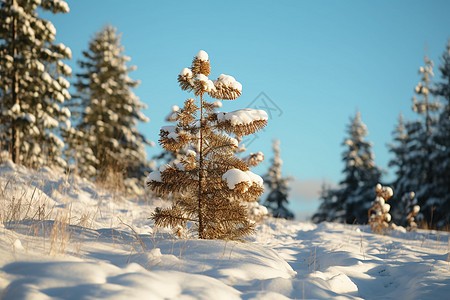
418	171
33	86
208	184
278	196
348	203
440	191
106	140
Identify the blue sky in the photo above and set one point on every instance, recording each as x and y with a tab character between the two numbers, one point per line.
315	61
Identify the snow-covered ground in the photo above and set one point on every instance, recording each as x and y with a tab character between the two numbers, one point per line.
63	238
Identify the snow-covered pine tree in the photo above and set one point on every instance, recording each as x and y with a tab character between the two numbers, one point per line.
277	199
109	112
379	216
399	162
440	193
212	182
327	199
419	172
32	83
361	176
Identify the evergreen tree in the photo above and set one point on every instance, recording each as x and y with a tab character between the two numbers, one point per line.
32	83
108	113
399	161
277	198
348	203
326	208
418	174
211	182
440	192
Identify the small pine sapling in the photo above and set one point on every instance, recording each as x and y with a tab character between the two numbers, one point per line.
379	216
412	210
211	183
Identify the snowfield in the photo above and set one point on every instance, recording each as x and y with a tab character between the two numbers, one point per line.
62	237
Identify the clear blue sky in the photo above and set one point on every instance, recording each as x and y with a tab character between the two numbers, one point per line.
318	61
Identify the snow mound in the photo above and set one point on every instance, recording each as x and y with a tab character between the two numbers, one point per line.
108	249
243	116
235	176
202	55
228	81
90	280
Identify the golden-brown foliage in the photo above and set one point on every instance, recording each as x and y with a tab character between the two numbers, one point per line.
225	93
185	83
203	196
242	129
200	67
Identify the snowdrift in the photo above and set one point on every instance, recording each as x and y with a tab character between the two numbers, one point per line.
62	237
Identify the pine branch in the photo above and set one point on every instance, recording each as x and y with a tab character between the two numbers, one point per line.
170	217
225	93
243	129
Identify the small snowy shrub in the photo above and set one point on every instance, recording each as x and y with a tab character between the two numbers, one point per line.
379	216
412	211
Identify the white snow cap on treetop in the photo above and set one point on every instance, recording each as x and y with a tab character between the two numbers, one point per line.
202	55
235	176
228	81
243	116
186	72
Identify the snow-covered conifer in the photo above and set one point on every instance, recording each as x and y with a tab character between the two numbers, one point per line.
399	162
33	86
379	216
419	171
440	192
212	182
361	176
277	199
109	112
326	208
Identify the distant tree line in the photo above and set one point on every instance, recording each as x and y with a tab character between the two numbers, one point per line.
421	159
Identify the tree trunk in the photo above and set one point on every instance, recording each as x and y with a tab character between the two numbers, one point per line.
15	139
201	226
